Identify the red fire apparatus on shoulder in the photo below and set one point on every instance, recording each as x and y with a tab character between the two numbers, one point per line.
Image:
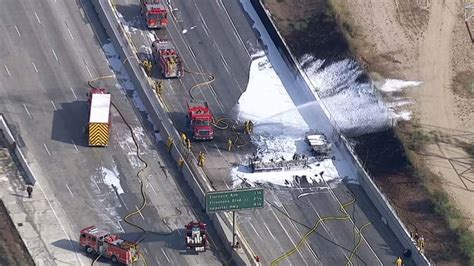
95	240
155	13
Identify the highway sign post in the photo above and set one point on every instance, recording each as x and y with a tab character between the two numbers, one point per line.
232	200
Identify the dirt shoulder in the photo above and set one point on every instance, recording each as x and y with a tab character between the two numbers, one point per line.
423	40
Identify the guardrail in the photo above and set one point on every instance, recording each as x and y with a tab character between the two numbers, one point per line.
194	175
384	207
16	150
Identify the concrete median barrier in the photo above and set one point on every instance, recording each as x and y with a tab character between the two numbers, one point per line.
193	175
16	150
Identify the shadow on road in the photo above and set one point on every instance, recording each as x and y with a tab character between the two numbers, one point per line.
67	244
172	240
69	122
132	16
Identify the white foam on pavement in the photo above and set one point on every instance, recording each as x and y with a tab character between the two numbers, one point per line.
279	128
111	178
242	174
308	108
266	102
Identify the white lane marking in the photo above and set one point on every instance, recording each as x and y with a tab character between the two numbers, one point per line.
270	232
352	221
75	147
60	224
8	71
34	66
205	150
177	229
198	67
73	93
27	111
288	235
70	33
206	29
123	202
70	192
121	227
17	31
225	63
87	68
152	188
95	183
54	53
146	251
46	148
166	256
192	52
234	29
54	106
256	231
139	212
220	153
128	146
37	18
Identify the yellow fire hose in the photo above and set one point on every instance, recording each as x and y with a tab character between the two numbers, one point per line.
142	185
219	123
312	230
358	243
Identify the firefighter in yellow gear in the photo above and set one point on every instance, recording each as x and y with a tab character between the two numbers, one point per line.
184	138
399	262
159	87
246	127
188	144
147	66
250	125
180	162
169	144
421	243
229	144
201	159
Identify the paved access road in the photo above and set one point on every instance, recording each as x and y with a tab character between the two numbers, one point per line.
49	50
217	37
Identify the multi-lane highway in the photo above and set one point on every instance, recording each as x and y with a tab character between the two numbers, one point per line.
217	37
48	51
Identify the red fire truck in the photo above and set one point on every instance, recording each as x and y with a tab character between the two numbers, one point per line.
98	241
200	120
155	13
167	57
196	236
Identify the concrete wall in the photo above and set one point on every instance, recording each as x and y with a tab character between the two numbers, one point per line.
17	152
372	191
194	175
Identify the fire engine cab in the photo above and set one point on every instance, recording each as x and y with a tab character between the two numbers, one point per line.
196	236
95	240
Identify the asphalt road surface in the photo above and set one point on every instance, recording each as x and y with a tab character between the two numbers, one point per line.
217	37
48	52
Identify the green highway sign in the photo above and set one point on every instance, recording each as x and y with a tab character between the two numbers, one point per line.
232	200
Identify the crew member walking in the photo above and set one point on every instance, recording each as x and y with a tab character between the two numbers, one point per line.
29	189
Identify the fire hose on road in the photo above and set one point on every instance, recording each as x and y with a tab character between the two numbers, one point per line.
126	218
221	123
